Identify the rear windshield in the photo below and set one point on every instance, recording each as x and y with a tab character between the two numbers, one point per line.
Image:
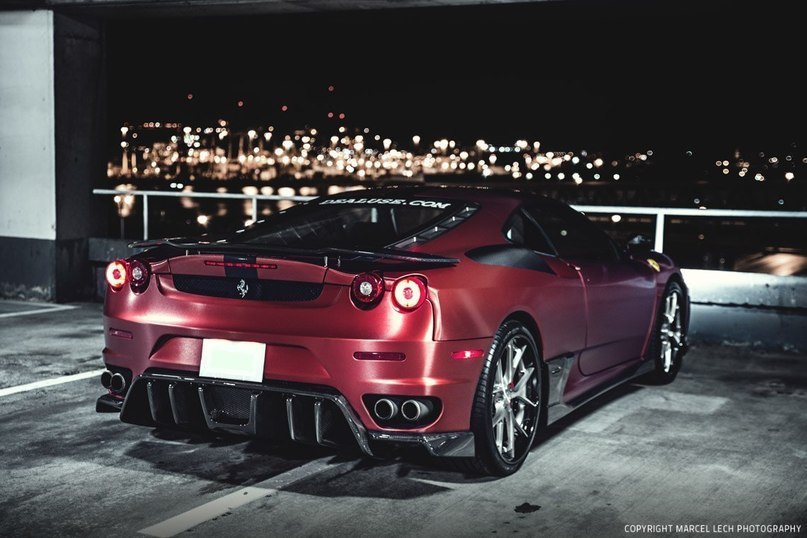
352	222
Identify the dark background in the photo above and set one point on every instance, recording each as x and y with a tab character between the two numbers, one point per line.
606	76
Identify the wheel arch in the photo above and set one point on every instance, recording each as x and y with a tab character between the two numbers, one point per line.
529	322
678	278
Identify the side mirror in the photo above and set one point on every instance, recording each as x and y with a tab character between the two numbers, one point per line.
639	244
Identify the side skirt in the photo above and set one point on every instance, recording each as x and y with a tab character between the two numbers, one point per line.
559	369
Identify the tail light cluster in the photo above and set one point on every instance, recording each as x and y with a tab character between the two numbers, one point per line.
135	272
408	293
367	289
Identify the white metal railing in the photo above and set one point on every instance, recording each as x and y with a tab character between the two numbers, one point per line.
219	195
660	212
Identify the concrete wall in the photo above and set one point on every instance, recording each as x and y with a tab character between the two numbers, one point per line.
80	117
730	288
766	329
732	308
51	118
27	155
27	126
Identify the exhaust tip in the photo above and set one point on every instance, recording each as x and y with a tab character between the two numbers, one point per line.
117	383
106	379
413	410
385	409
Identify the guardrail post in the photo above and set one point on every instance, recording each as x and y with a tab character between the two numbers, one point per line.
145	216
659	243
254	209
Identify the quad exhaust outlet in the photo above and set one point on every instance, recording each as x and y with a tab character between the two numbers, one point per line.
406	408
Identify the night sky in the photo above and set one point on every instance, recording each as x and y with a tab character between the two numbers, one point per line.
597	75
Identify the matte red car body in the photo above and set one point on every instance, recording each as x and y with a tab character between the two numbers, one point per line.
601	315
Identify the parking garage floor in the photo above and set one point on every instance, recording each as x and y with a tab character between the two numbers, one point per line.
721	450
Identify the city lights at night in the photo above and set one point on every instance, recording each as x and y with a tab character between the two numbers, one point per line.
628	103
179	154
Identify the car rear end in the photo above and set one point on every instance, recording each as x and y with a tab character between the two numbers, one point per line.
329	346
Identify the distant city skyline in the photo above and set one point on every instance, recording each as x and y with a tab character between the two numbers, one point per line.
168	155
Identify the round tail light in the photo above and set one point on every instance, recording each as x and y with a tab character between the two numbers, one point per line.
116	274
139	274
367	289
409	292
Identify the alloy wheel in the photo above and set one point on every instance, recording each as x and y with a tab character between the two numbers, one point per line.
514	399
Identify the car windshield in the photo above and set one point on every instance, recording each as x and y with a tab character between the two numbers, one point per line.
359	222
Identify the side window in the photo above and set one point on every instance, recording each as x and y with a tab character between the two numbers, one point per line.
572	234
522	230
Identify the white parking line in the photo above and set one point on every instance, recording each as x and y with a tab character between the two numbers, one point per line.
206	512
48	383
196	516
40	309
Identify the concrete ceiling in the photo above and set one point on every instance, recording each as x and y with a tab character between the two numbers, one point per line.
124	8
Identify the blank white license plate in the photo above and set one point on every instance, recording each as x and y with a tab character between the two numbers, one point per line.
227	359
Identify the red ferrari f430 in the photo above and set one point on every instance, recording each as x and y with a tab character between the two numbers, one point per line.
463	320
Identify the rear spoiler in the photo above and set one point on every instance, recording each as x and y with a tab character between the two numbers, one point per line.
337	258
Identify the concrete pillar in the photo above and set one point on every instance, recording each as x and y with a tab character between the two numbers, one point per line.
52	104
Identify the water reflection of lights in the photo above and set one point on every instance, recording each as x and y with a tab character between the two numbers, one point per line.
219	153
181	154
125	202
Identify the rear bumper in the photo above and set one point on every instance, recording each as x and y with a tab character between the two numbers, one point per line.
282	411
428	371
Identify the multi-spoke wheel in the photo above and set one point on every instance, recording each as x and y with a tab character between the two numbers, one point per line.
667	345
508	402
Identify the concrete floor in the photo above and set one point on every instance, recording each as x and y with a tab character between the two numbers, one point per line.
726	444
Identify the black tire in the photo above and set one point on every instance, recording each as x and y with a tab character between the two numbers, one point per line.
518	406
668	341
